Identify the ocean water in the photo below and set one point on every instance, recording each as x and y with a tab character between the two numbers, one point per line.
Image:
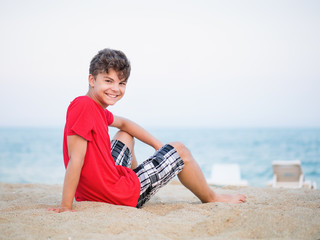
34	155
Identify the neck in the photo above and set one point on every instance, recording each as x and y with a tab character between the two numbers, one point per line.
91	95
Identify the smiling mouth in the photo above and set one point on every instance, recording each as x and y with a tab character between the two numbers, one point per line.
111	95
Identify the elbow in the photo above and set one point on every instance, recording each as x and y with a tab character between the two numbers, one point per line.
75	162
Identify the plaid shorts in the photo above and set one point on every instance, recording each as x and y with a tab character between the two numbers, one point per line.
154	172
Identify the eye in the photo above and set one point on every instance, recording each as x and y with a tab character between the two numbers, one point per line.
123	83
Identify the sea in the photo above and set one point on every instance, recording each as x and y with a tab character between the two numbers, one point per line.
34	155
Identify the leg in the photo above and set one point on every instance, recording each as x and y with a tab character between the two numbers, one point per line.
192	177
157	171
128	140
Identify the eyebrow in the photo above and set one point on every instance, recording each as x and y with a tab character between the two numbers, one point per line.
126	80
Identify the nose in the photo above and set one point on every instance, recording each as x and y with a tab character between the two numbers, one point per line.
115	87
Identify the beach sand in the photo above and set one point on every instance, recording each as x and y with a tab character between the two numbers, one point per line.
173	213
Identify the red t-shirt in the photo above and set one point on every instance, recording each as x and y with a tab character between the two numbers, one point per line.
100	180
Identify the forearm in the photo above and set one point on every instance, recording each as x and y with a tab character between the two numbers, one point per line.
71	181
138	132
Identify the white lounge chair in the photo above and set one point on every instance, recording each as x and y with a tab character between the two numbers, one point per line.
226	174
288	174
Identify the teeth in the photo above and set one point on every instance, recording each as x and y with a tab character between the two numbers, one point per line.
112	96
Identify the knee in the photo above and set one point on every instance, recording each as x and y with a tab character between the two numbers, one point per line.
182	150
125	138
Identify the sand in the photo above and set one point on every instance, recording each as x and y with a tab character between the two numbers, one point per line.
173	213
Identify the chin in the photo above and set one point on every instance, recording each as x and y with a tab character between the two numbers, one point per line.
112	103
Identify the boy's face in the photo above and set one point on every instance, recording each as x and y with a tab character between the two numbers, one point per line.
106	88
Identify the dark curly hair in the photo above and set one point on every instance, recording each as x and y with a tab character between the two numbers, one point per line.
110	59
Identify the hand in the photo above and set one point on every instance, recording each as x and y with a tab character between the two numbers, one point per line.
61	209
158	145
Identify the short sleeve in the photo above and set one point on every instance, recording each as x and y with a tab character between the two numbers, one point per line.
109	117
80	119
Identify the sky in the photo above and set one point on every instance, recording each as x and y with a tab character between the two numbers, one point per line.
200	63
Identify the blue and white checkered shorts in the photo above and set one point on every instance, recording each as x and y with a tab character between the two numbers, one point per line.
154	172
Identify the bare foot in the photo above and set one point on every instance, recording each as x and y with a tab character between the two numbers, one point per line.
238	198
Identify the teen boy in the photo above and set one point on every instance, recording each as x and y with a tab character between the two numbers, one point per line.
104	171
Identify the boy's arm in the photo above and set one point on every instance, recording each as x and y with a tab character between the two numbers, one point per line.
136	131
77	148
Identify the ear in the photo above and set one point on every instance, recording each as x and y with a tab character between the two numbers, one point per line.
91	80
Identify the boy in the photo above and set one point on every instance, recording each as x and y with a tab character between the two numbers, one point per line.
104	171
